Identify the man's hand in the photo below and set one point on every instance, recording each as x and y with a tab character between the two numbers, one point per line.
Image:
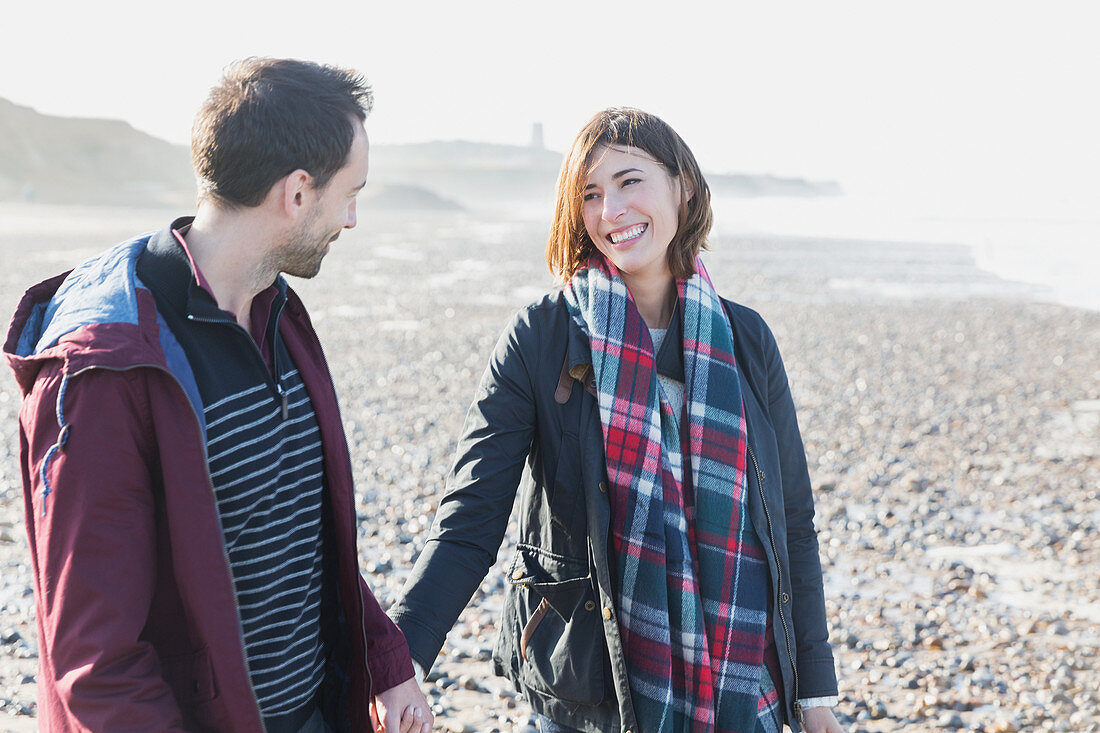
401	709
821	720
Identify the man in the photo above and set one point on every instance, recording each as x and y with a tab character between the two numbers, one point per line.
187	481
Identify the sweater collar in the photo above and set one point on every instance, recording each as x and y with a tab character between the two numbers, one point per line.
167	263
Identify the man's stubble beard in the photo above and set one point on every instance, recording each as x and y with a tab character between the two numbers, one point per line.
300	253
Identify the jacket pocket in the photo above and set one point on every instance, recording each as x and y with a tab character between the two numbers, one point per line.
557	646
190	676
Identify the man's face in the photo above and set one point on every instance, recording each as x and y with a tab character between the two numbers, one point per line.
332	210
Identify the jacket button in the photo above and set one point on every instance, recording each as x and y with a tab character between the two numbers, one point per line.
517	574
603	487
590	605
607	613
785	598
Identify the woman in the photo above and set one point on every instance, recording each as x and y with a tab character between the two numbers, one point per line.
667	576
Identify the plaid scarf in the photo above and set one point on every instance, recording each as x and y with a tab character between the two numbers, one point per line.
692	574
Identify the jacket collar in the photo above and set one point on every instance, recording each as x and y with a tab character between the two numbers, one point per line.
670	357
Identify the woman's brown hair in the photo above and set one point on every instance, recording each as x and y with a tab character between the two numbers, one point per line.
570	246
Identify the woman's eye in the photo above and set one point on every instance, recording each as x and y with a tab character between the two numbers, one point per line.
591	196
629	181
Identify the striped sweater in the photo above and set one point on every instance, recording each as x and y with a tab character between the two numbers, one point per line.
265	460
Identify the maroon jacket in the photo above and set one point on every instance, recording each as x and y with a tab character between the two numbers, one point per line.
137	620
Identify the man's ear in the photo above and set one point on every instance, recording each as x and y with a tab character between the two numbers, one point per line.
295	190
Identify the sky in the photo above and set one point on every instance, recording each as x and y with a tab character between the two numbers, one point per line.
966	100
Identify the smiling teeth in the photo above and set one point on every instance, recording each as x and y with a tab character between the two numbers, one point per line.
634	231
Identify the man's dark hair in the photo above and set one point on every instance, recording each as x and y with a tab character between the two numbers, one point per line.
270	117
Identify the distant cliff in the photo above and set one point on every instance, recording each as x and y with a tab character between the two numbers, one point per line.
483	176
740	184
88	161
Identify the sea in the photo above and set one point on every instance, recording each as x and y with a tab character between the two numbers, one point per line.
1053	247
1047	253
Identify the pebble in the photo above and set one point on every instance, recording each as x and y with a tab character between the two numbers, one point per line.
1001	726
950	720
457	726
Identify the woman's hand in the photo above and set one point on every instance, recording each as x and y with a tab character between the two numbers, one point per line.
401	709
821	720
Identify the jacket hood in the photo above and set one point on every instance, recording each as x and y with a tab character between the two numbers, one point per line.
98	314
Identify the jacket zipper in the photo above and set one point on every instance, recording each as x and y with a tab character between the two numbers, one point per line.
796	705
277	381
210	485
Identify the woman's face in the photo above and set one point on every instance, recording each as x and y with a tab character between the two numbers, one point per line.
631	210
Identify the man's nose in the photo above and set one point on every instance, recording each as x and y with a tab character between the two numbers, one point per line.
351	220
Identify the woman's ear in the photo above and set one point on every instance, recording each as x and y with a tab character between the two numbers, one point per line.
689	190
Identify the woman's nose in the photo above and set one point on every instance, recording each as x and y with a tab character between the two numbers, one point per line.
613	207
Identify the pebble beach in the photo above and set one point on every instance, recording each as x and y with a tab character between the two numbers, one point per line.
951	421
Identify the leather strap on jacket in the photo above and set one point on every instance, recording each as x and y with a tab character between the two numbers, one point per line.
583	374
532	624
565	384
